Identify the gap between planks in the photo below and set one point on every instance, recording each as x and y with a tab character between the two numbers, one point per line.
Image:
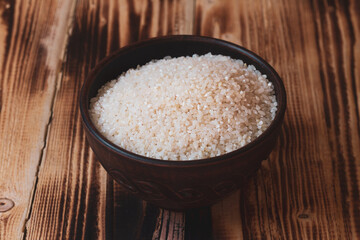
58	79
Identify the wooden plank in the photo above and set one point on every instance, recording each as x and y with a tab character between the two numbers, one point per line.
32	40
226	220
74	198
309	187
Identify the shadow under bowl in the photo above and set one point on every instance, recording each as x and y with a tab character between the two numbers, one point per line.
178	185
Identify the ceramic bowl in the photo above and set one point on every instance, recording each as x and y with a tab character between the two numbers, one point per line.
178	185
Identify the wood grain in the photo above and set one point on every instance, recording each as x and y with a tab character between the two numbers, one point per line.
32	37
309	187
81	202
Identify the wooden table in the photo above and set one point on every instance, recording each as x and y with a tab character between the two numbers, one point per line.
52	187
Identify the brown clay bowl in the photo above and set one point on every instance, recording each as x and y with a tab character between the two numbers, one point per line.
178	185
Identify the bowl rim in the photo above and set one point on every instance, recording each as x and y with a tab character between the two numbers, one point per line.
84	102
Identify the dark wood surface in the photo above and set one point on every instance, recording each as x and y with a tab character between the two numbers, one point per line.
52	187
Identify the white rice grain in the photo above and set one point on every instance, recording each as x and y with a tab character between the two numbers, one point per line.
185	108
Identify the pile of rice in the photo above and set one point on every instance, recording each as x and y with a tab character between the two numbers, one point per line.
185	108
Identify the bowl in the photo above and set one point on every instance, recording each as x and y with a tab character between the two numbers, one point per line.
178	185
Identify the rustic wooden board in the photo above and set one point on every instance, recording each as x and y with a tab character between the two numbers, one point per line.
309	187
81	203
32	39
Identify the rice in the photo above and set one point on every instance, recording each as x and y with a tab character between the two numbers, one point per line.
185	108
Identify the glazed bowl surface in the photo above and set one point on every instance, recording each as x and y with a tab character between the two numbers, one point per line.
178	185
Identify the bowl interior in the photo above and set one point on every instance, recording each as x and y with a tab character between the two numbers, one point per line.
174	46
